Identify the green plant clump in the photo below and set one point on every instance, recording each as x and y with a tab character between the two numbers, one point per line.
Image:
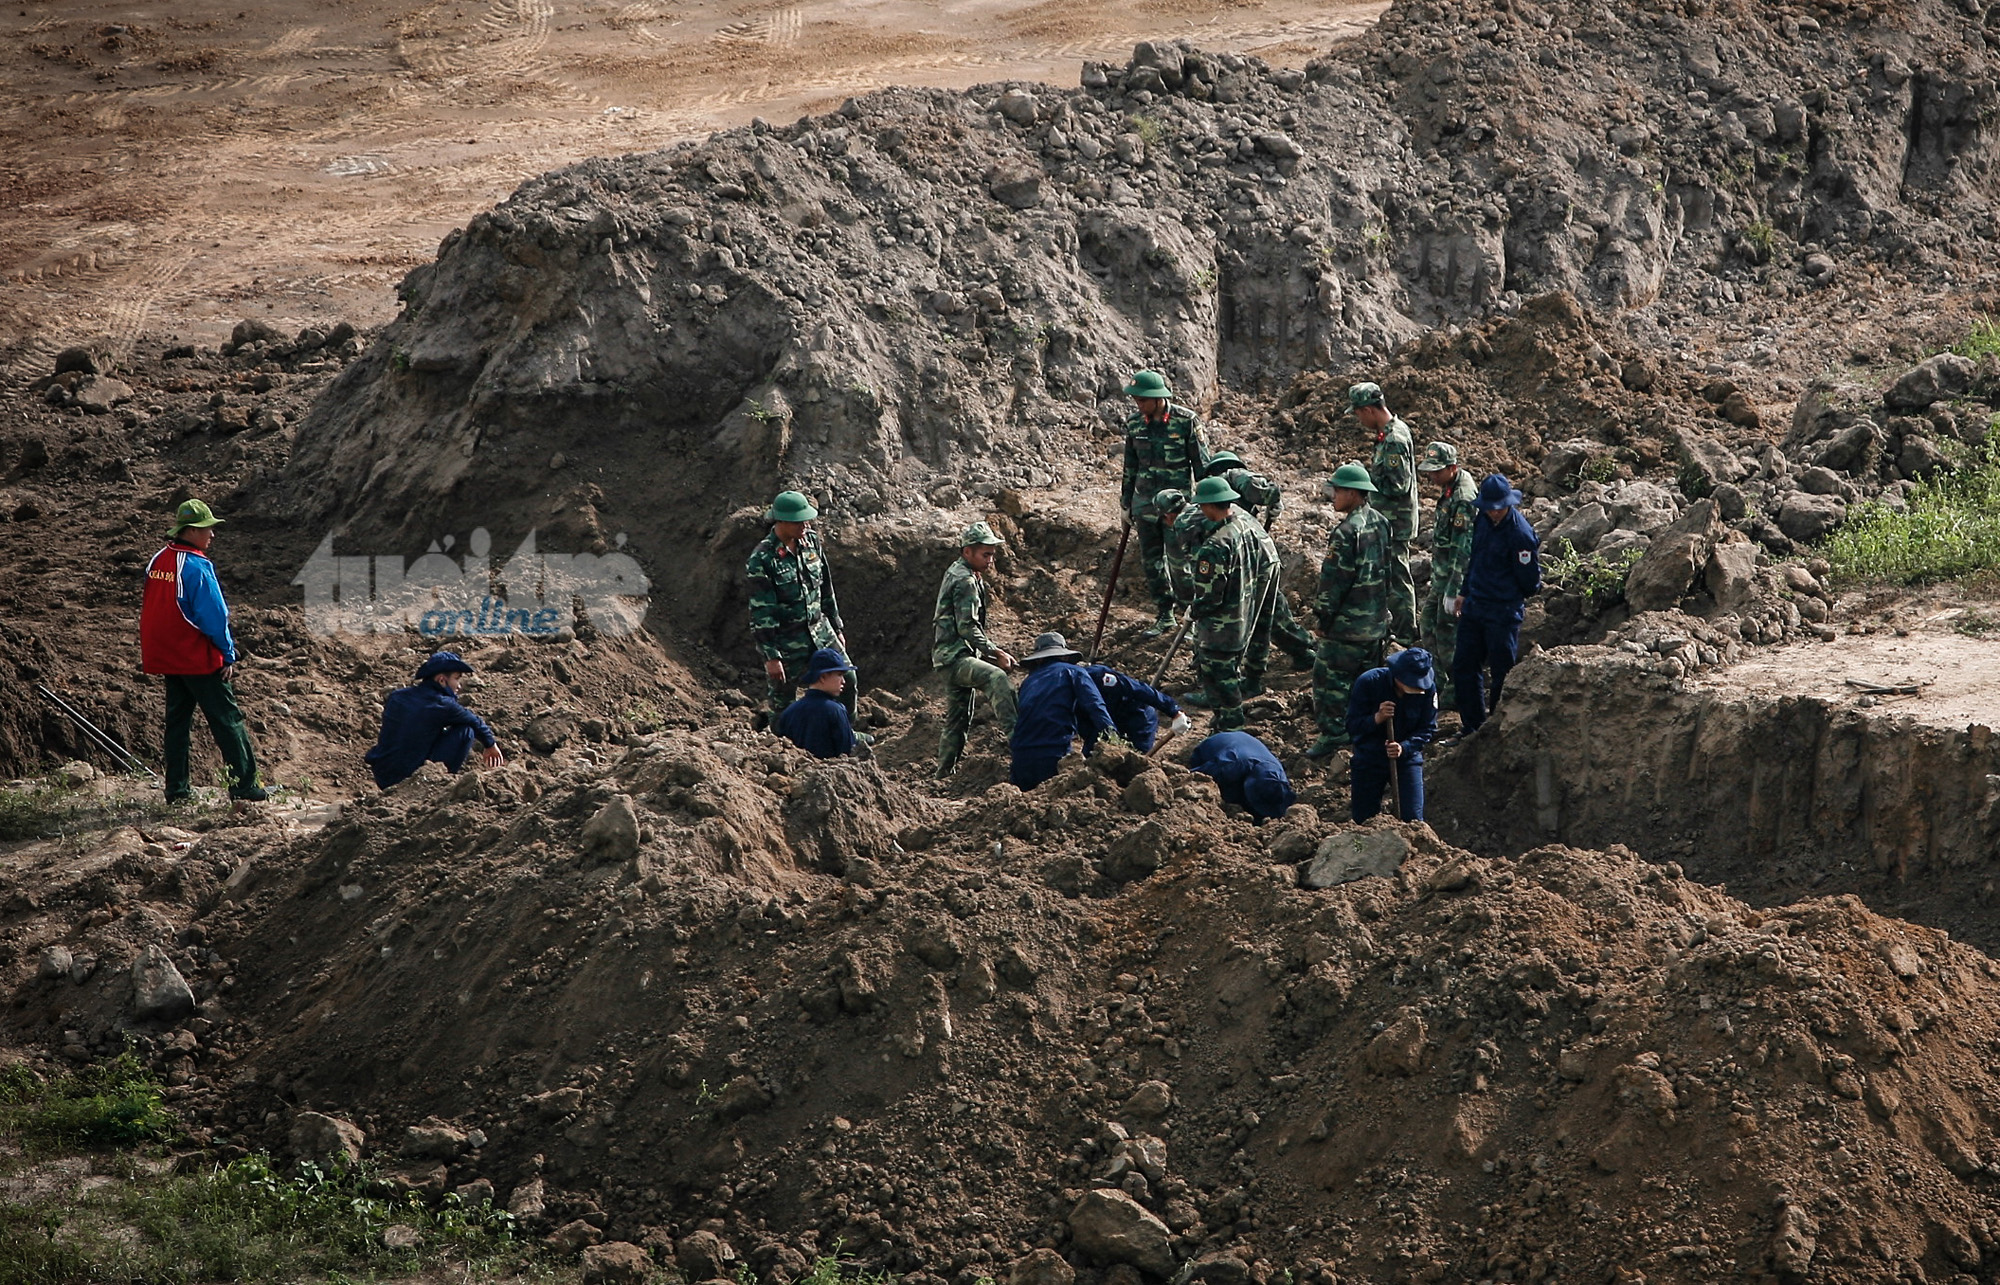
1949	529
113	1103
1982	340
1596	576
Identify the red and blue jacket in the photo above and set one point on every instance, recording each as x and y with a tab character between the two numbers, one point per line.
183	622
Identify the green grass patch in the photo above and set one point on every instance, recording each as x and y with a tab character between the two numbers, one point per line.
1597	576
111	1104
1982	340
246	1221
1949	530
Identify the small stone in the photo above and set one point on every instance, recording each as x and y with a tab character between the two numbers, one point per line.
98	394
1820	480
433	1140
618	1262
528	1202
158	989
78	359
703	1255
1042	1267
1149	1101
252	331
1018	106
401	1236
474	1194
325	1137
612	836
573	1236
1403	1048
1934	380
54	964
1131	148
1149	792
1278	145
1111	1227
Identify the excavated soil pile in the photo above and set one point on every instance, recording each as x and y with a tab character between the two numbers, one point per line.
1102	1020
928	297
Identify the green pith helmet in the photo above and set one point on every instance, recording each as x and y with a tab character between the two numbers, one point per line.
1170	499
978	533
1214	490
192	513
1221	462
1352	477
790	506
1148	383
1365	395
1438	457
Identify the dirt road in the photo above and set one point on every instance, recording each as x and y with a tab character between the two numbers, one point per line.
175	171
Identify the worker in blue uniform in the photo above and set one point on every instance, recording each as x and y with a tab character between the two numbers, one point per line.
1250	775
1392	714
1058	702
1136	707
424	723
817	721
1504	569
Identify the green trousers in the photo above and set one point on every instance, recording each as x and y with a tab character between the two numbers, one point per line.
1402	593
961	679
217	701
1221	674
1437	630
1336	667
1152	533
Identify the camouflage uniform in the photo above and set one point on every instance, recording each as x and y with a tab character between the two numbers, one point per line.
1225	605
959	646
793	613
1188	529
1393	470
1262	499
1353	614
1159	456
1281	627
1451	549
1275	622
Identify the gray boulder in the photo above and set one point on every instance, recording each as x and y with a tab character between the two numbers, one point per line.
1355	854
99	393
1678	554
1852	449
325	1137
1933	380
1583	528
613	834
1617	544
54	964
1821	480
1111	1227
1731	575
1806	518
158	989
1922	459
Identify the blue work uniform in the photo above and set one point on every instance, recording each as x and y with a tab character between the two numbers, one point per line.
423	724
1504	568
818	724
1250	775
1057	703
1415	722
1136	707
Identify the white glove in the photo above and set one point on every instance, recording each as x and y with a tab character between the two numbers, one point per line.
1180	723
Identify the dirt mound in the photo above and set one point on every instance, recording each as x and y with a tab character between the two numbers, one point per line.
1003	1032
927	297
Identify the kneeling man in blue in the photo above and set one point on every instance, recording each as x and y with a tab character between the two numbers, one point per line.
817	722
426	724
1058	702
1250	775
1392	713
1135	707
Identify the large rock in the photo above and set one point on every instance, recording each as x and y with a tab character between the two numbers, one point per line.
1111	1227
1644	507
613	834
433	1140
1922	459
618	1263
99	393
158	989
1664	573
1933	380
326	1137
1583	528
1807	518
704	1256
54	964
1355	854
1731	575
1851	449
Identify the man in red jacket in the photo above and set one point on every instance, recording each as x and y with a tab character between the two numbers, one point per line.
184	637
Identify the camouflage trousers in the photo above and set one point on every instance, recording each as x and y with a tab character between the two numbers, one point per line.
1335	668
1437	633
1152	533
967	676
1402	590
777	695
1274	624
1221	674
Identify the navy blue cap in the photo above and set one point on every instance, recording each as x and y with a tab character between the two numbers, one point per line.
1268	796
443	662
825	661
1496	493
1412	667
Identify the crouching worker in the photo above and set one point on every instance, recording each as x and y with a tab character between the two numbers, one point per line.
1392	715
1250	775
1058	702
424	723
1136	707
817	722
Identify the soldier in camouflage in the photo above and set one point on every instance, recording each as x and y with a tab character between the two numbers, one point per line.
1352	605
1261	497
1276	625
960	646
1186	529
793	612
1451	549
1394	475
1164	448
1262	501
1227	598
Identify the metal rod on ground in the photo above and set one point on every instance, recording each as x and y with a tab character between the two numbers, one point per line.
1110	586
1172	647
99	738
